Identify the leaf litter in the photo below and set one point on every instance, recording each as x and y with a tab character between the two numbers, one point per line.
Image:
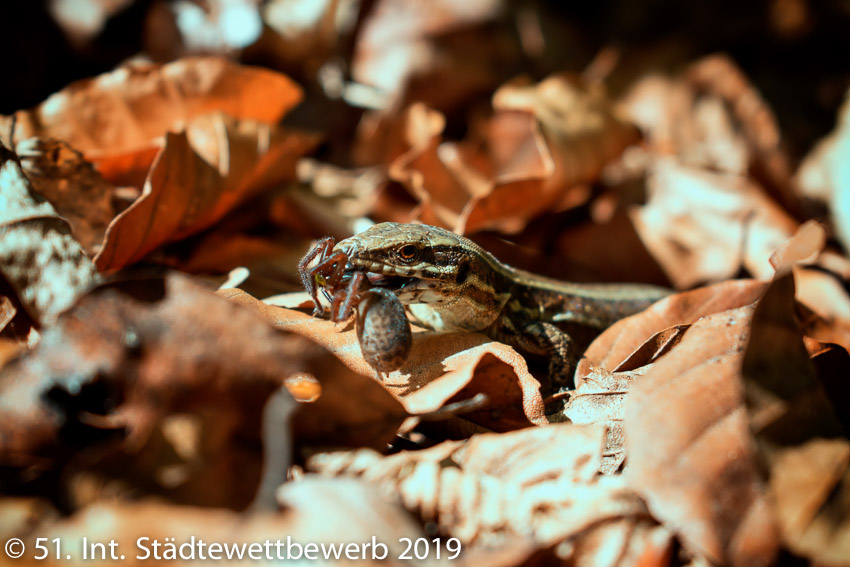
710	429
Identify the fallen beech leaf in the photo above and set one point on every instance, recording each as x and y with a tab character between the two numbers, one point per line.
198	177
720	76
824	173
60	174
39	257
703	226
441	368
130	108
617	343
794	404
826	296
691	455
539	483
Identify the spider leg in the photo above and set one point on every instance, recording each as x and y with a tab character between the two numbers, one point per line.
328	273
346	299
321	248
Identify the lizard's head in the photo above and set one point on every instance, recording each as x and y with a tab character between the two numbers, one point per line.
420	263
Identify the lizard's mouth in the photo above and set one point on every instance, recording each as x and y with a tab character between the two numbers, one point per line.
393	283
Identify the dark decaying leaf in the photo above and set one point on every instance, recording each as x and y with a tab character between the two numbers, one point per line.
126	357
60	174
799	413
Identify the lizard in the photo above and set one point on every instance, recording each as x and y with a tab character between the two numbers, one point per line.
449	283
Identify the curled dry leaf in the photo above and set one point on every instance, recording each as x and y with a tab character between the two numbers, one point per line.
39	257
718	75
538	483
131	107
441	368
625	339
691	455
577	131
542	144
198	177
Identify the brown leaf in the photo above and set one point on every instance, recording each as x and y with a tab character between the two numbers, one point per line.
577	133
402	39
805	244
599	399
704	226
441	368
130	108
622	340
786	400
198	177
691	455
60	174
129	357
543	141
39	257
539	483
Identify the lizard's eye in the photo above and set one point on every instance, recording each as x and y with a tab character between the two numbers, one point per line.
407	252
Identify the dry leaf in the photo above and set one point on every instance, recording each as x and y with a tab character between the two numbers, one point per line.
60	174
398	42
543	141
703	226
198	177
39	257
623	339
539	483
130	108
691	455
577	133
127	359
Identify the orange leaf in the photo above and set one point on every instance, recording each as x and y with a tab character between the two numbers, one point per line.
197	178
129	108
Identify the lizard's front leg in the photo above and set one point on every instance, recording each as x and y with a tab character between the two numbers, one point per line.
543	339
547	339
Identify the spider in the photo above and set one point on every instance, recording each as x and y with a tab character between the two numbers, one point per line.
341	290
383	330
